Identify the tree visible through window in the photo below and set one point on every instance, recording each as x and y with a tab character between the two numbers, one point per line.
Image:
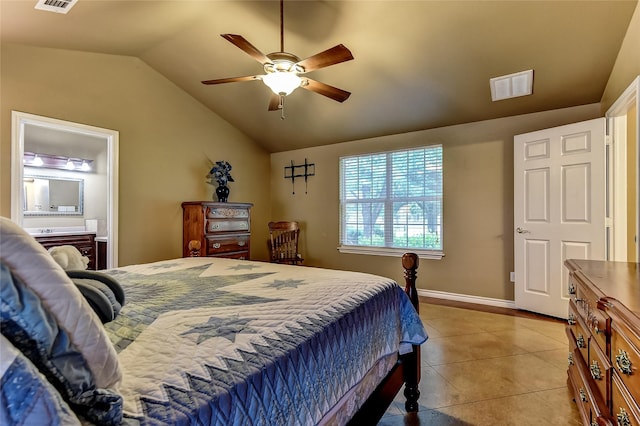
392	199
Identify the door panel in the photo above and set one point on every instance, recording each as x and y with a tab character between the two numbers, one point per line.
537	268
559	210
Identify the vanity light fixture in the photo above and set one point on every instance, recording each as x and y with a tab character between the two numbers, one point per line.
37	161
56	162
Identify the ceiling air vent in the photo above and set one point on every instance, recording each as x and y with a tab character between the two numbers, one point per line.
58	6
512	85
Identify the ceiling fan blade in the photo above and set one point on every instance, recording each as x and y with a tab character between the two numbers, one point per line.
274	102
232	79
332	56
247	47
326	90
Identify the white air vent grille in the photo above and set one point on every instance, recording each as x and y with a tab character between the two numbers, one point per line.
512	85
58	6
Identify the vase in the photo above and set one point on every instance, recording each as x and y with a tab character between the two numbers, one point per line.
222	192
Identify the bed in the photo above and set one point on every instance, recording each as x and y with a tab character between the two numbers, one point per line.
208	341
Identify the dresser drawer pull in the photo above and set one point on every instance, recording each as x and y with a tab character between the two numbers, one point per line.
594	423
593	321
623	362
595	371
571	320
242	258
580	341
570	358
241	243
215	245
623	418
583	395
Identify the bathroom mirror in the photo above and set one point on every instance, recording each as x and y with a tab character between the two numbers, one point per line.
53	196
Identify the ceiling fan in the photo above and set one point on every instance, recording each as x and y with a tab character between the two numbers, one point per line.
283	70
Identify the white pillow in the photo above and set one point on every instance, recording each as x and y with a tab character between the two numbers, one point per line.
34	266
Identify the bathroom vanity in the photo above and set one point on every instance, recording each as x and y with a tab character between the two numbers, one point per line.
84	241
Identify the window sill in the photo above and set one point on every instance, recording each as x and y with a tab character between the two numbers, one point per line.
393	252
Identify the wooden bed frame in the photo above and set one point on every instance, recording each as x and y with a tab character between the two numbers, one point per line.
406	370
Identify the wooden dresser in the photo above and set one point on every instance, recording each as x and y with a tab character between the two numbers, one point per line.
84	242
218	229
604	341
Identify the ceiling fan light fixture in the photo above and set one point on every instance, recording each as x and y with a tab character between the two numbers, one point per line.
282	82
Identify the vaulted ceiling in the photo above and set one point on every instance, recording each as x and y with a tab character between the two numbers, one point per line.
418	64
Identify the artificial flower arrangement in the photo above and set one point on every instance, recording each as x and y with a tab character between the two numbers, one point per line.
220	173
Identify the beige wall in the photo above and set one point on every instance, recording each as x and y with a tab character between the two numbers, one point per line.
166	140
627	65
478	202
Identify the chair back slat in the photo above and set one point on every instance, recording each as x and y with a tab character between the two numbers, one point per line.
284	242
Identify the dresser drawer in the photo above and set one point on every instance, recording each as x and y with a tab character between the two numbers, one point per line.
625	357
579	331
220	244
214	226
599	325
240	255
590	403
585	297
624	409
600	369
227	213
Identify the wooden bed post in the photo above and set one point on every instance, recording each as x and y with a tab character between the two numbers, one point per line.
411	360
406	371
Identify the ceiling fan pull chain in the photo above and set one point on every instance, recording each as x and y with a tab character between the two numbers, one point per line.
281	107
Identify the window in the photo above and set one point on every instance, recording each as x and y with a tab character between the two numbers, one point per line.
392	202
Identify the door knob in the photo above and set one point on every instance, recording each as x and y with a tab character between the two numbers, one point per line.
521	230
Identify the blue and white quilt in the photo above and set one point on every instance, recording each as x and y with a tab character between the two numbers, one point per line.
227	342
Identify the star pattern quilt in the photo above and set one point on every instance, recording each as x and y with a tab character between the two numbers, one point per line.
227	342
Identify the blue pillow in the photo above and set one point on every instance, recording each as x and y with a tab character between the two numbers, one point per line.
27	324
26	396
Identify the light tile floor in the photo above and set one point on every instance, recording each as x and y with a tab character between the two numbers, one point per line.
481	368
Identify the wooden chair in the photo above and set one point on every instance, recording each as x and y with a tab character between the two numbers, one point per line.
284	242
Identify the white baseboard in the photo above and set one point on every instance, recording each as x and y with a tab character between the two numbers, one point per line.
468	299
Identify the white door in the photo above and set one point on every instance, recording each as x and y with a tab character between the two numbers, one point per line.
559	210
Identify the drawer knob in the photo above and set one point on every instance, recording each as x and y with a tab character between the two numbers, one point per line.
216	245
242	258
583	395
571	320
623	418
580	341
570	358
595	370
241	243
623	362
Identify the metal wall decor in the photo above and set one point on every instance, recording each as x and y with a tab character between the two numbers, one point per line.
297	171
